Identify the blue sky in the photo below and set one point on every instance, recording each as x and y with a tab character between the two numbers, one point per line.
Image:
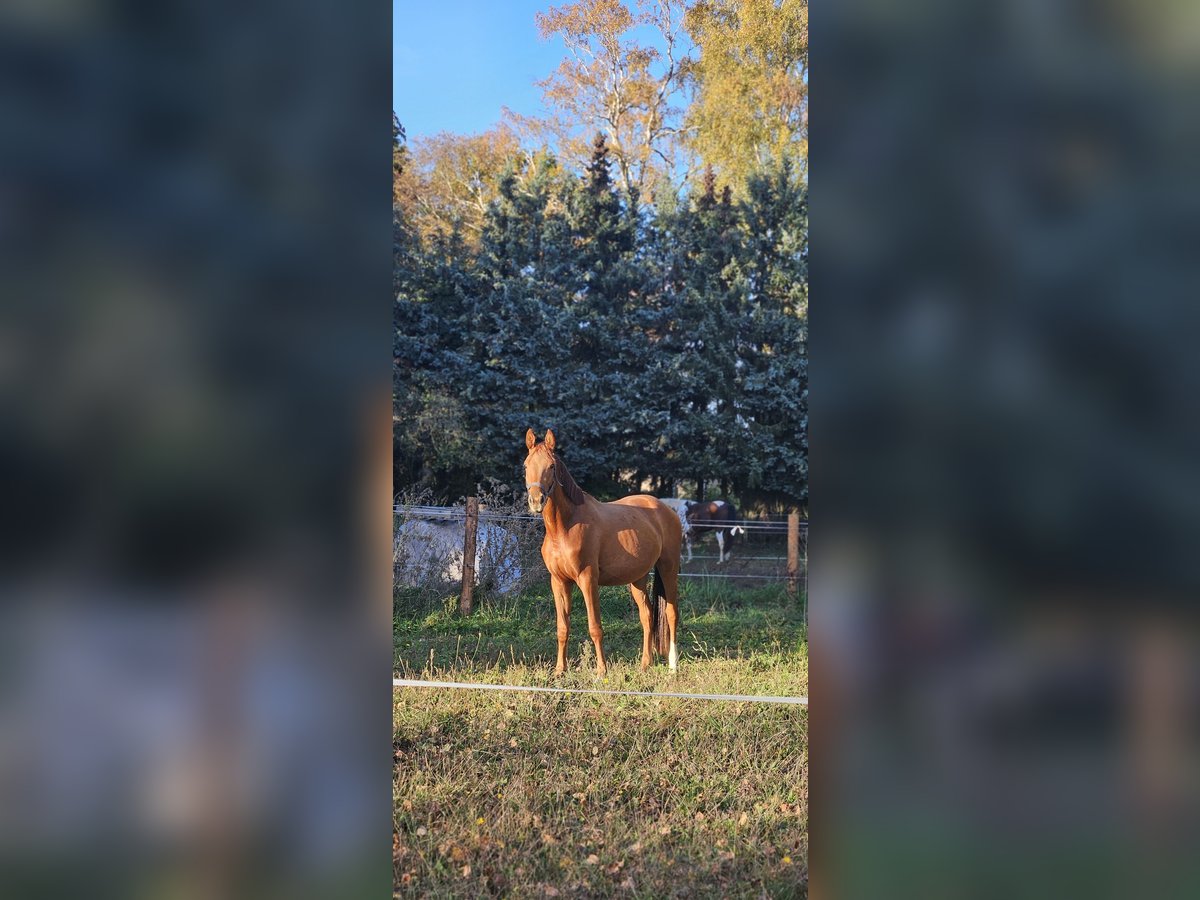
456	62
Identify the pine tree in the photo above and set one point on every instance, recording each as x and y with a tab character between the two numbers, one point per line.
670	345
708	191
432	438
693	368
772	385
607	291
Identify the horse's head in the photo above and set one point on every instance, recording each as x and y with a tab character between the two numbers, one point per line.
540	475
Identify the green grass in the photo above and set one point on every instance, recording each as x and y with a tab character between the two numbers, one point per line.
532	795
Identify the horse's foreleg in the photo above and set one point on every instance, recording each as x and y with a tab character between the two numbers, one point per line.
590	589
720	547
562	608
643	601
688	540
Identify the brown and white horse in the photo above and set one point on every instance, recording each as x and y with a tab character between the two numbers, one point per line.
718	516
681	508
589	544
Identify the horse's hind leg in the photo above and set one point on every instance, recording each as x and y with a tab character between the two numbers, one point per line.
643	601
669	573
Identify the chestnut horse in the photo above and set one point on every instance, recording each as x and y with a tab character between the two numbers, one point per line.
589	543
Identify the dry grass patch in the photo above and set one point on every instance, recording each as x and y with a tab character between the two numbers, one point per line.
531	795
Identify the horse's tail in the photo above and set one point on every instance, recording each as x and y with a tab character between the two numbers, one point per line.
658	616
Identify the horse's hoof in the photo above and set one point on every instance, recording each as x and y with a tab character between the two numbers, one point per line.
558	673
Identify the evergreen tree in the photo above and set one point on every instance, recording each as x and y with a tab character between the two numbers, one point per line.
515	326
695	358
772	385
666	343
606	290
433	441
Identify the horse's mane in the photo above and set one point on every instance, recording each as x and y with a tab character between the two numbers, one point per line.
573	491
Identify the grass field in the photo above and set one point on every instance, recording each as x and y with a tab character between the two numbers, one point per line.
535	795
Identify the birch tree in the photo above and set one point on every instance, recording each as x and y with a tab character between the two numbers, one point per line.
625	88
449	180
751	85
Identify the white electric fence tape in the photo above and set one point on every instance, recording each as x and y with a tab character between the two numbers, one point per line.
740	698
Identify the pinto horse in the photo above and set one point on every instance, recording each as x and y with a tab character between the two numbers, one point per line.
681	508
589	544
718	516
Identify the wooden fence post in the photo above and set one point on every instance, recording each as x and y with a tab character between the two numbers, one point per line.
468	569
793	559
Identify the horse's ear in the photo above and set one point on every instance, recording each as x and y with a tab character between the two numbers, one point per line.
530	439
549	439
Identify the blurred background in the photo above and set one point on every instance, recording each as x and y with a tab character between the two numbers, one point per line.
195	346
1004	461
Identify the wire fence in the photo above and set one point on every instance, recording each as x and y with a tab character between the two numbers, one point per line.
430	547
431	543
451	513
477	686
458	512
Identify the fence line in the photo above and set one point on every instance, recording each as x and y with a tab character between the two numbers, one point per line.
781	559
456	512
746	524
464	685
795	573
471	515
770	576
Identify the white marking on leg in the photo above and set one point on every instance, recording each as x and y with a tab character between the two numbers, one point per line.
720	547
673	657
